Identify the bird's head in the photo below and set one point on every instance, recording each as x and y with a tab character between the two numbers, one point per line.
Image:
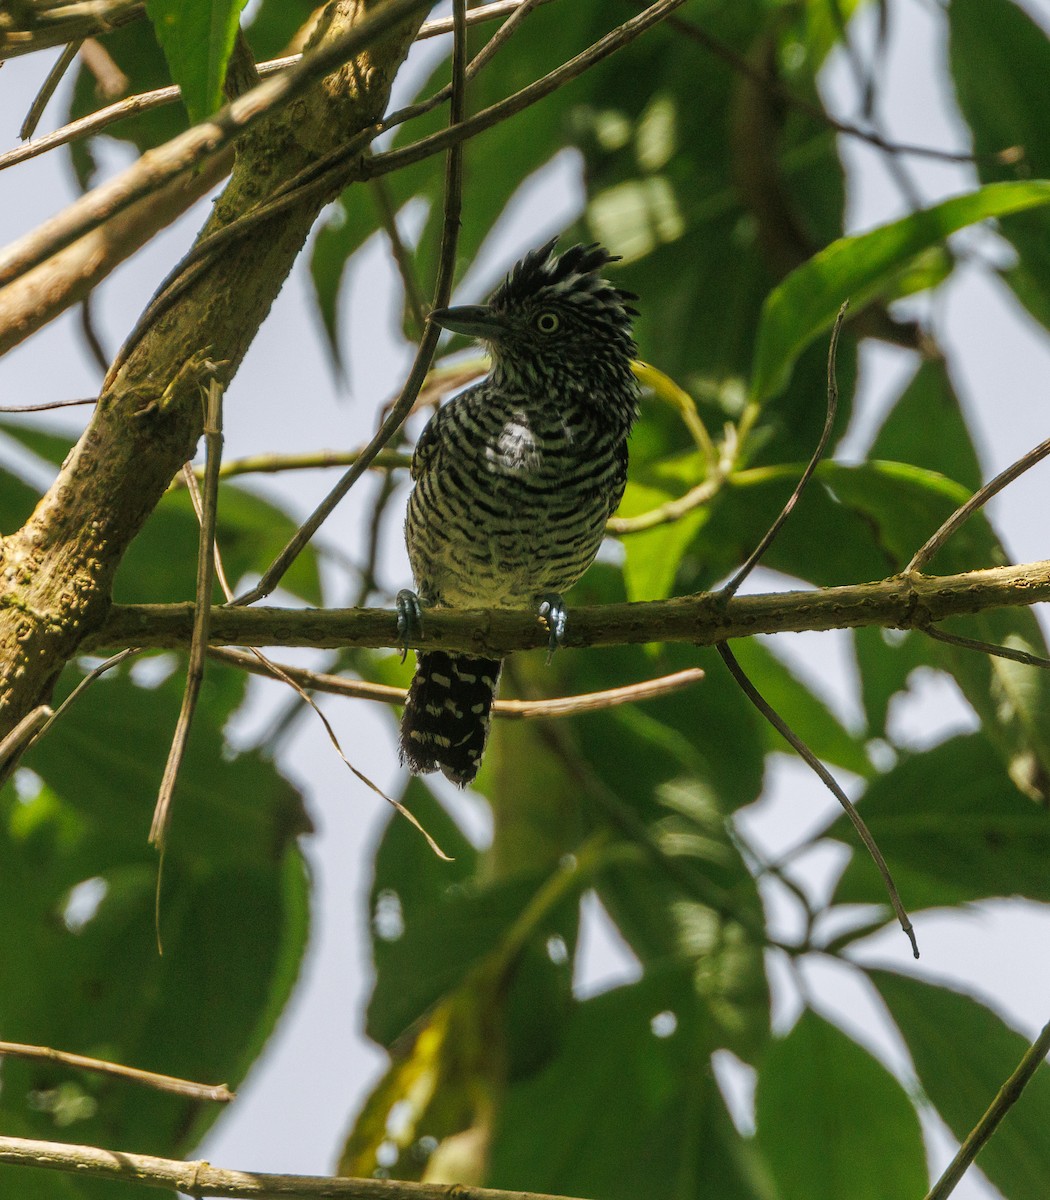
556	324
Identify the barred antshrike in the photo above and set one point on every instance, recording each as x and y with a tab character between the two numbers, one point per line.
515	479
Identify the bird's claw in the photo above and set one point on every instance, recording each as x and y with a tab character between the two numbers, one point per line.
409	619
555	615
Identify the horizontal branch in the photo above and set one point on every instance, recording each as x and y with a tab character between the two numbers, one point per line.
153	1079
202	1179
900	602
558	706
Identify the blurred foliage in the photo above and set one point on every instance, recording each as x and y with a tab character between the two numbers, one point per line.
726	198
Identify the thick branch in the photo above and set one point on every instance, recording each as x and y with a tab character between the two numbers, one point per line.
202	1179
900	602
57	571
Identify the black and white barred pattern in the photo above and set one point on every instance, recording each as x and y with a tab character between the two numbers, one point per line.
516	477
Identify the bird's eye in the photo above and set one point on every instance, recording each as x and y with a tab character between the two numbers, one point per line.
547	322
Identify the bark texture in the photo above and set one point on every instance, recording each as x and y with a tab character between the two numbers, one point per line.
57	571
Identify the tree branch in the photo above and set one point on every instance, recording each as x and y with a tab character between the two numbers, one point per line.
202	1179
900	602
57	570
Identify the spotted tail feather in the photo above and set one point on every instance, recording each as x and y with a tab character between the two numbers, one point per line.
446	720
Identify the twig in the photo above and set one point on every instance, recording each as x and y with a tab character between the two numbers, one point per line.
110	81
825	776
670	510
202	1179
418	109
740	64
19	739
264	665
28	408
1006	1098
161	1083
201	614
402	256
829	423
483	12
898	602
368	584
976	501
57	24
625	820
146	101
197	144
435	143
10	761
428	343
561	706
87	328
47	90
956	639
273	464
665	388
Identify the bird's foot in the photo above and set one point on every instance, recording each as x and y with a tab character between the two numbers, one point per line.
555	615
409	619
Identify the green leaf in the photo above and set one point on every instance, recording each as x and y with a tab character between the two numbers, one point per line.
805	712
999	58
629	1107
496	163
953	829
161	563
926	428
833	1122
963	1053
197	38
233	911
856	268
133	47
653	555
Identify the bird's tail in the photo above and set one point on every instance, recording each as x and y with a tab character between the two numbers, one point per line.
446	721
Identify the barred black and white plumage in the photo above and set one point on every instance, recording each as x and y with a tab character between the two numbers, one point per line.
516	477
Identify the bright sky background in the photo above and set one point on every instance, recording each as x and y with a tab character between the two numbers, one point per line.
295	1107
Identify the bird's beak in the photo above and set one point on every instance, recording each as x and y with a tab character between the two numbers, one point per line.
475	320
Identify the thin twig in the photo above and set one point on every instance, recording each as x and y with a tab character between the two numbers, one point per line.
561	706
956	639
19	739
201	614
623	817
199	143
91	337
27	408
161	1083
670	510
263	665
825	776
616	39
1006	1098
428	343
274	464
976	501
202	1179
47	90
8	763
402	255
368	583
829	423
132	106
741	65
499	38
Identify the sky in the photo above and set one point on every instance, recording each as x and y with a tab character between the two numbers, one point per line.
298	1102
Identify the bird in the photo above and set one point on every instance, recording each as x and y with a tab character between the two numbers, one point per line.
514	480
